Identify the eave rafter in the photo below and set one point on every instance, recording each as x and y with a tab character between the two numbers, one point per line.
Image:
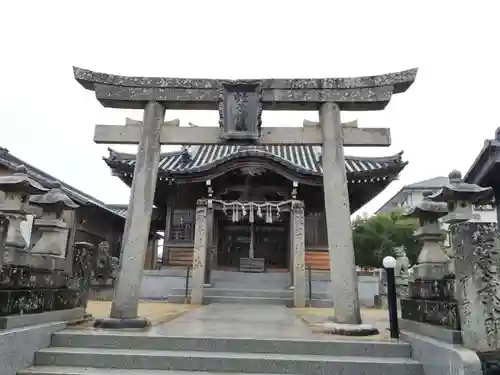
351	94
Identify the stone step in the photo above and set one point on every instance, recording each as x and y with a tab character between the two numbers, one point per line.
73	370
269	293
123	340
266	279
180	298
207	300
225	362
263	293
323	303
173	298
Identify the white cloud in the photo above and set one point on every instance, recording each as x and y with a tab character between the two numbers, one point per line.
47	118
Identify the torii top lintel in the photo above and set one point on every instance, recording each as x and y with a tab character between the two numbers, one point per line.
351	94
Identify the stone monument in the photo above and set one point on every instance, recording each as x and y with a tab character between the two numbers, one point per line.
240	104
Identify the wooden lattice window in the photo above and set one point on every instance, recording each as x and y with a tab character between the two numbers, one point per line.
315	225
182	225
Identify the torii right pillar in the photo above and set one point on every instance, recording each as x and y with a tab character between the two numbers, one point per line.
343	276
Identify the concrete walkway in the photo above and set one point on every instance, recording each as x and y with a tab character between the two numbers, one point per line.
237	320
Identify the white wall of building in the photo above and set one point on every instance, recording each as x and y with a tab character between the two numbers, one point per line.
415	197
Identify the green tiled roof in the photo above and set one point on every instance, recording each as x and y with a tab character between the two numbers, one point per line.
304	159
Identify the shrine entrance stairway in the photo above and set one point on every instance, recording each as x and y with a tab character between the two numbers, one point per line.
222	339
270	288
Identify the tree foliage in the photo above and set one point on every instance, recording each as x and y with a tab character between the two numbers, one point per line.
376	237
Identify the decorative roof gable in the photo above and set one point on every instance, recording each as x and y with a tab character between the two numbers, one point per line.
304	159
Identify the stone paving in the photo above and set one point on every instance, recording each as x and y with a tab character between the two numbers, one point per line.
239	321
254	321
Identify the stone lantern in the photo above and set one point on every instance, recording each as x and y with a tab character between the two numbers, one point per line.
476	262
54	230
17	188
432	260
460	198
431	297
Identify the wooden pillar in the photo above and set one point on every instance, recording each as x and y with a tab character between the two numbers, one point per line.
166	238
291	263
150	253
251	249
154	261
215	242
199	253
496	204
299	267
210	237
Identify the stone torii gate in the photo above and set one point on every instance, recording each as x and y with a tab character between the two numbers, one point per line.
240	104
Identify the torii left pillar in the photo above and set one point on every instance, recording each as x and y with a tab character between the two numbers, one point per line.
344	279
124	308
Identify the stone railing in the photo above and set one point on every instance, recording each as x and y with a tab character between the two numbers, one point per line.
27	287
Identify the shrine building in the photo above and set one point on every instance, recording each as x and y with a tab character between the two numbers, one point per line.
266	177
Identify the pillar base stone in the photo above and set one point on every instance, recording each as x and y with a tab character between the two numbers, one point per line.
122	323
333	328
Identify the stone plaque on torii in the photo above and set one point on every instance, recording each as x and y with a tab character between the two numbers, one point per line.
240	104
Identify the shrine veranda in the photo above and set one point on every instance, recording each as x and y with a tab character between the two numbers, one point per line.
242	175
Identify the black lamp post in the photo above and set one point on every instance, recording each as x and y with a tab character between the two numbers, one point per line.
389	264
